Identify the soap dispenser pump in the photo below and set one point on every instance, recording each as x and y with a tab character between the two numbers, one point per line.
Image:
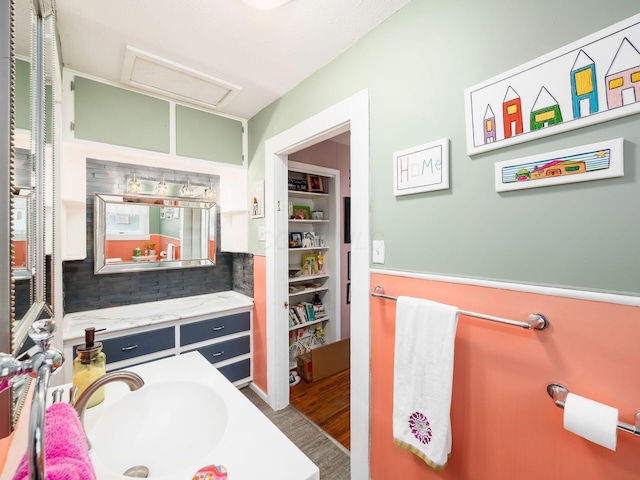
89	365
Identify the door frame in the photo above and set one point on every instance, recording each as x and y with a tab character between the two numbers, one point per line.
351	114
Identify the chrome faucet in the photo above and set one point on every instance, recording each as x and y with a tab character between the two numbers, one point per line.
40	366
133	380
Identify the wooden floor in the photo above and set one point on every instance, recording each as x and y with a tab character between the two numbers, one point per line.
326	403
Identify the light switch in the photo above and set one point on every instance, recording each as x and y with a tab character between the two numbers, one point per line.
378	251
262	234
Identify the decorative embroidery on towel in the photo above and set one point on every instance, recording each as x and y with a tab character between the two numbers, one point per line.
420	427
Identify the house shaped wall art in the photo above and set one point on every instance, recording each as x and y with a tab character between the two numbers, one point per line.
580	164
592	80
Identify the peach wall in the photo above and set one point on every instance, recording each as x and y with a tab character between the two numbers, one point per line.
260	322
505	426
19	253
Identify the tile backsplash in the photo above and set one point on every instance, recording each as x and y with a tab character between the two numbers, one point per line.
83	290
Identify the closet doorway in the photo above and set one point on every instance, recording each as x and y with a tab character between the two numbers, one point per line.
326	401
352	114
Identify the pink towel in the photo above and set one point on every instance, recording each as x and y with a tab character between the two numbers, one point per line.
66	451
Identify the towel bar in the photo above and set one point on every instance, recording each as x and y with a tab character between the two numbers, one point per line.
536	321
559	394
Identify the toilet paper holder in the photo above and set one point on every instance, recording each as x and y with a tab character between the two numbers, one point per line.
559	394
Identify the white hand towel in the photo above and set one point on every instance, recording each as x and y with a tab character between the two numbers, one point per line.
423	378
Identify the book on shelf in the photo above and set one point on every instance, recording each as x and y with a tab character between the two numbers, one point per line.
293	319
301	313
310	313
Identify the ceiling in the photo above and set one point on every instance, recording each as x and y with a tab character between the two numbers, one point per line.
264	52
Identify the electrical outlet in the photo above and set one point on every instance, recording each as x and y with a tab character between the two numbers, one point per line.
378	251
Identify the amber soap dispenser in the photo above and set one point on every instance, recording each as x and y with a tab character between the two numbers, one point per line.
89	365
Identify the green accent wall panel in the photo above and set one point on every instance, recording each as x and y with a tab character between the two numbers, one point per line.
23	95
23	100
108	114
207	136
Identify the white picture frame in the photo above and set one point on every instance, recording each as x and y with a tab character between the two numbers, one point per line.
589	81
423	168
256	200
579	164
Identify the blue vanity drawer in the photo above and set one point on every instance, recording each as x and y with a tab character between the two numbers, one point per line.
226	350
137	344
214	328
237	371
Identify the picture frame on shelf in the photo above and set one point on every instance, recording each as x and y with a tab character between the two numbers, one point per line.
295	240
296	184
308	239
312	259
314	183
301	212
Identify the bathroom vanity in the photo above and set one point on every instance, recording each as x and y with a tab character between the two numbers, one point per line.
218	325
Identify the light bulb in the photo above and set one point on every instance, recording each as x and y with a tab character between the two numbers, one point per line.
161	188
186	190
133	186
209	193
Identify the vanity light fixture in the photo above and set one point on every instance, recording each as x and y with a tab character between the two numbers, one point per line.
133	186
161	188
210	193
186	190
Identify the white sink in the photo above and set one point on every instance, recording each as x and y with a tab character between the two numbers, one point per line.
164	426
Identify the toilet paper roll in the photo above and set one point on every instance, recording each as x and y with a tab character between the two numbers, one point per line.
594	421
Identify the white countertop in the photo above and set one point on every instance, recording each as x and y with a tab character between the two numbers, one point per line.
251	447
152	313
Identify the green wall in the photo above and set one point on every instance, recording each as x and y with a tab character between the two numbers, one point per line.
23	99
23	95
108	114
416	66
210	137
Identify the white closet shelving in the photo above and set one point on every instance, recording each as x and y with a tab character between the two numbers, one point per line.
313	236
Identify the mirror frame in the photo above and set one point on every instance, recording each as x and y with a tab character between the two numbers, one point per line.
13	331
7	116
100	266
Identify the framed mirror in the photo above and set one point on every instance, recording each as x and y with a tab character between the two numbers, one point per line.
27	76
135	232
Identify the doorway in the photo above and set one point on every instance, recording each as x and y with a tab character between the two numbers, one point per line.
350	114
325	401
